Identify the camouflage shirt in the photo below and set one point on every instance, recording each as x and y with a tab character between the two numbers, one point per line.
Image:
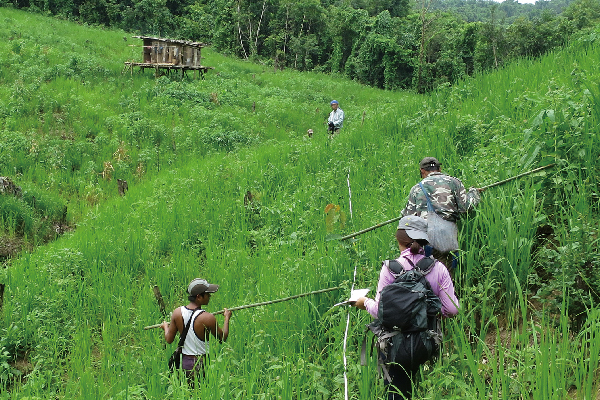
448	196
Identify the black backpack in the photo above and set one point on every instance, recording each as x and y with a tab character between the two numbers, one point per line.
407	331
408	304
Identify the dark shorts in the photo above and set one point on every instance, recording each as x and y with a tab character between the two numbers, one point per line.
193	367
192	362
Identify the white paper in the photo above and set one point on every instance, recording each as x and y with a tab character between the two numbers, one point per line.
354	295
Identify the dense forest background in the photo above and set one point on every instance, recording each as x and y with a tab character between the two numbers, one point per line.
390	44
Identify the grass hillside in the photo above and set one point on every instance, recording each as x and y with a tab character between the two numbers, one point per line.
75	304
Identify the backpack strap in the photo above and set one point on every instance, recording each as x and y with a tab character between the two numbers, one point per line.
395	267
382	340
424	265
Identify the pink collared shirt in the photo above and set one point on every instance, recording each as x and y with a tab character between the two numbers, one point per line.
438	277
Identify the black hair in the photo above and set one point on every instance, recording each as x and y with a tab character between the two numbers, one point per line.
415	245
191	297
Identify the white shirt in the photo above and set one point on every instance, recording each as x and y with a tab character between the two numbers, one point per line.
193	345
337	117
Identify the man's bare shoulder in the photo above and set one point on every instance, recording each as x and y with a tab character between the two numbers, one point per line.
176	313
206	317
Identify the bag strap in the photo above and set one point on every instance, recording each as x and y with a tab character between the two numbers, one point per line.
381	337
429	205
395	267
186	328
363	350
424	265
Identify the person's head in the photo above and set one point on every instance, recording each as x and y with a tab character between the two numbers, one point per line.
429	164
200	289
334	104
412	233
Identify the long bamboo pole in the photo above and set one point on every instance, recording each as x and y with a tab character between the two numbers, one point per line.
336	237
370	229
517	176
278	300
262	303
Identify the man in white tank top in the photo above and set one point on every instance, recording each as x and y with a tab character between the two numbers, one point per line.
203	323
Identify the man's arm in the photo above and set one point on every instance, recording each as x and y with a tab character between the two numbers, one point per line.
224	333
339	120
466	200
411	205
210	324
171	328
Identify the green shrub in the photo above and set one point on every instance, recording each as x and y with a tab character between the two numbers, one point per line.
45	203
10	346
16	215
220	139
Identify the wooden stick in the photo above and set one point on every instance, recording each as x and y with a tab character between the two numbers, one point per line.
153	326
263	303
516	177
278	300
159	299
371	228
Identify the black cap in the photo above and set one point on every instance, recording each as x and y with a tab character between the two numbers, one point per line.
429	162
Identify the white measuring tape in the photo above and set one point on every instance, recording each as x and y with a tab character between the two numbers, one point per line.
348	319
346	341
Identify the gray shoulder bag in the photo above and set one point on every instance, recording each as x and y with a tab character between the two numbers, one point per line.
443	235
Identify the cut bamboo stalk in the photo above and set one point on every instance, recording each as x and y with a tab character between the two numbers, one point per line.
159	299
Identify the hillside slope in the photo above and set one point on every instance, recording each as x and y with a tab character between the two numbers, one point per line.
73	311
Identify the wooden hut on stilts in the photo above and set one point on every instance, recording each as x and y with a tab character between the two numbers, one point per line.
169	55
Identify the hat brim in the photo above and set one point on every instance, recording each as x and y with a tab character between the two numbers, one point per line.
212	288
416	235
